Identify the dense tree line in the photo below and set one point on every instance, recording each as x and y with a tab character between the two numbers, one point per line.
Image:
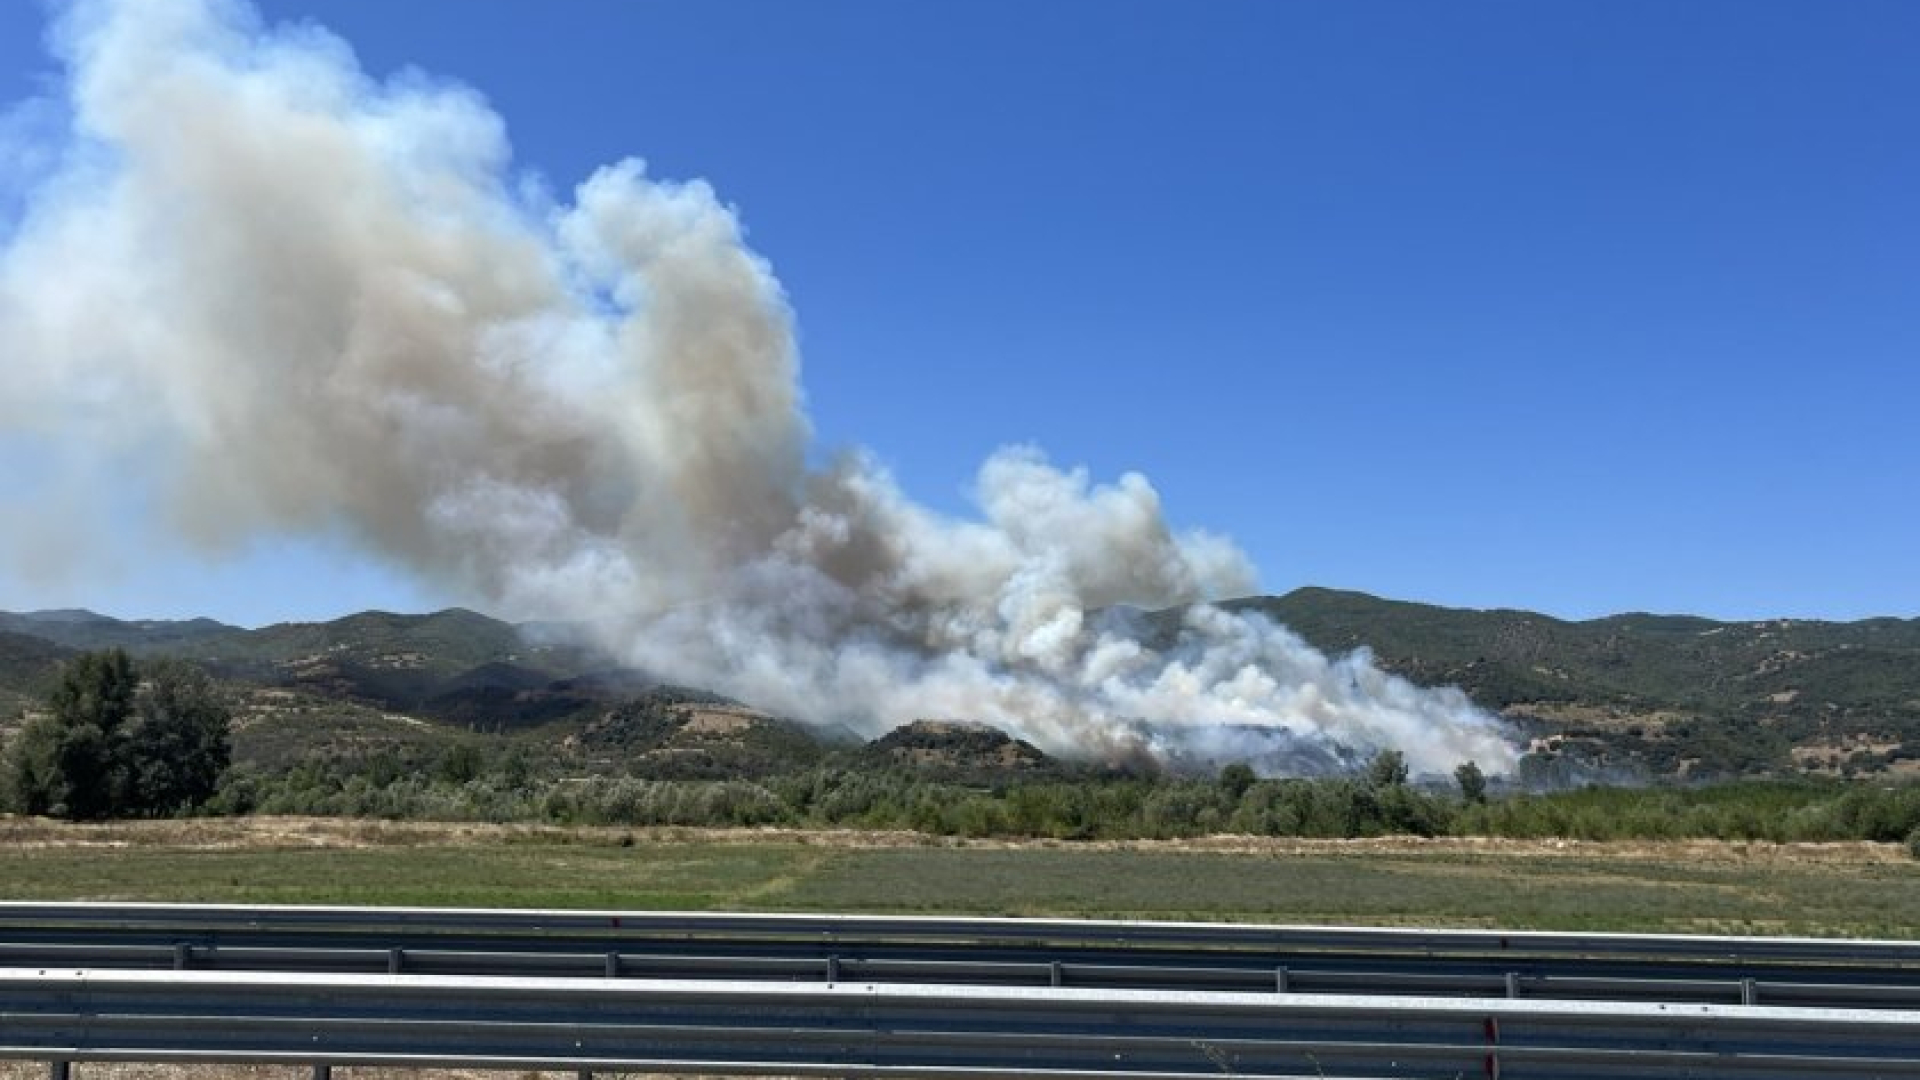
502	787
119	740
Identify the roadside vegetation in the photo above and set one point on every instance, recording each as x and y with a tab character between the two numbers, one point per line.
1103	808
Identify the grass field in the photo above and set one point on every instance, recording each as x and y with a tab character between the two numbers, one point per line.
1694	887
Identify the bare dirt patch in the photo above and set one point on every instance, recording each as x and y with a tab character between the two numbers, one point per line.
1605	717
720	720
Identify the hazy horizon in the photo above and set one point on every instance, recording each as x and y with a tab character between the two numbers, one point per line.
325	617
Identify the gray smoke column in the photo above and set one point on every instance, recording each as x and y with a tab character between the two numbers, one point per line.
294	300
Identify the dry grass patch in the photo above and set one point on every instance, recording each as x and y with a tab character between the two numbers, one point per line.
297	833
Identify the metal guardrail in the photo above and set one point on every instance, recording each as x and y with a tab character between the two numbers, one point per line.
1804	972
906	996
443	921
867	1030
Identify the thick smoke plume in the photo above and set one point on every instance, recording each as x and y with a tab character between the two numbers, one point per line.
298	300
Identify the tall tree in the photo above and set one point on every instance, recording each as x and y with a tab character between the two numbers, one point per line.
69	761
178	747
1473	782
111	744
1236	778
1387	769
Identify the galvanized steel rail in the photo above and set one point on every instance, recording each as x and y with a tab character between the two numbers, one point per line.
444	921
1806	972
938	997
918	1031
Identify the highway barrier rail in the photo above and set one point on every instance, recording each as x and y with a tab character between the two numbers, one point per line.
858	1029
834	995
1807	972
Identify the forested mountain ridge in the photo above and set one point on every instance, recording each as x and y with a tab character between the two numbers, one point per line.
1658	695
1659	690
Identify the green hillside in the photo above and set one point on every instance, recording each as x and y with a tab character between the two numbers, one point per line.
371	685
83	630
958	752
1652	695
455	716
1669	693
456	665
27	667
670	733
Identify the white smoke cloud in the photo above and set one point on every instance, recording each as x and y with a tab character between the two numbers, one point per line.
301	300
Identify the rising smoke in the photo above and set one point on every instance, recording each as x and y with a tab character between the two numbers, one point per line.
303	301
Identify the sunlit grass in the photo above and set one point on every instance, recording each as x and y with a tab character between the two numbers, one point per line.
1730	888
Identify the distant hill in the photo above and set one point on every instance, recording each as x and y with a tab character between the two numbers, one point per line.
439	644
84	630
1667	693
1658	695
455	664
369	683
27	667
958	751
671	733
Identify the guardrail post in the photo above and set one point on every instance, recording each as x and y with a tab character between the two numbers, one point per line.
1749	992
613	965
1280	979
1056	974
395	958
323	1072
182	956
59	1070
1513	984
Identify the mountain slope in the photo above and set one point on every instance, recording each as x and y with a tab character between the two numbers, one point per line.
27	668
84	630
1660	690
671	733
957	751
1653	694
362	685
408	662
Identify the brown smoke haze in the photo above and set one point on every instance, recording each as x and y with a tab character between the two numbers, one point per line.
291	299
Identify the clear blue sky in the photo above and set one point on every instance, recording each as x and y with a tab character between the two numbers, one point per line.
1581	307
